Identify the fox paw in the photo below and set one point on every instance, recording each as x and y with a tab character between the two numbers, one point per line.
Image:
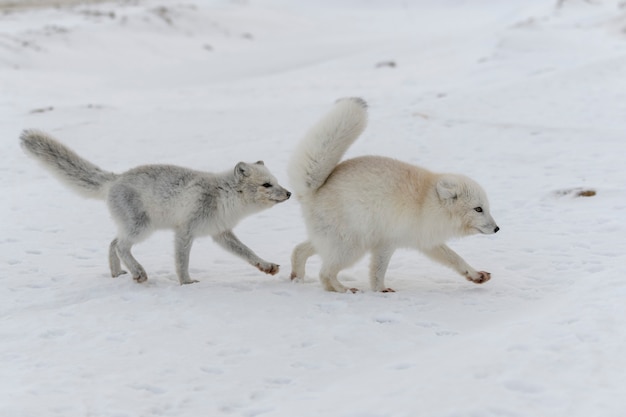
479	278
294	277
142	277
268	268
338	287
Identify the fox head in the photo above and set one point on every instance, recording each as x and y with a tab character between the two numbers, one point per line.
258	185
467	203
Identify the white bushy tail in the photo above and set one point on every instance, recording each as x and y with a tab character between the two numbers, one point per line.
322	148
81	175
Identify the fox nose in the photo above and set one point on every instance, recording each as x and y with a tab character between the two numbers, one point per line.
496	229
288	194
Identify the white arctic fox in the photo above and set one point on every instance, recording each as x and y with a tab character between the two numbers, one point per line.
152	197
376	204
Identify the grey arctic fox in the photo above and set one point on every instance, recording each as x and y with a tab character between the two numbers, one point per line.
376	204
151	197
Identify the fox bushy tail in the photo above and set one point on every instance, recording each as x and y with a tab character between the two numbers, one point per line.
79	174
325	144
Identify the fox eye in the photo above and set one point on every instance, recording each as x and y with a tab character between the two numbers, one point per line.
267	185
478	209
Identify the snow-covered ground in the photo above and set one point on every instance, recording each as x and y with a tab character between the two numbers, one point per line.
528	97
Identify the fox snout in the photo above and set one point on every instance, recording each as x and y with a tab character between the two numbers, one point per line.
490	226
287	194
283	195
487	229
490	229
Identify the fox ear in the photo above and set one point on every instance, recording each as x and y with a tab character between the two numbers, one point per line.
260	163
242	170
447	188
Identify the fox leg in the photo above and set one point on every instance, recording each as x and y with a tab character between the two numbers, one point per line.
229	241
446	256
328	277
378	267
183	242
133	222
337	256
114	260
123	250
299	256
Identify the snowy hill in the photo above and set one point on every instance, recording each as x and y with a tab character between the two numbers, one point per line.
526	97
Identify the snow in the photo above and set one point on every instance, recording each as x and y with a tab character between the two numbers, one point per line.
526	97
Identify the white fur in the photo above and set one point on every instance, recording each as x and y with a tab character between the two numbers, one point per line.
151	197
376	204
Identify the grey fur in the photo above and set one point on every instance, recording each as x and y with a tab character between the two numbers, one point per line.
151	197
81	175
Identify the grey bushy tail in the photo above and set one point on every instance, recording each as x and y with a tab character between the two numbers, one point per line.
81	175
325	144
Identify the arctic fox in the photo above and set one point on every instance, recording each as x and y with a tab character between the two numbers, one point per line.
376	204
152	197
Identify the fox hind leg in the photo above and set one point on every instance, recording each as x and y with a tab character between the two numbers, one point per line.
299	256
337	256
123	250
114	260
134	225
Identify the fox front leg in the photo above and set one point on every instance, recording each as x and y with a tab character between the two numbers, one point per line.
229	241
378	267
446	256
184	240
